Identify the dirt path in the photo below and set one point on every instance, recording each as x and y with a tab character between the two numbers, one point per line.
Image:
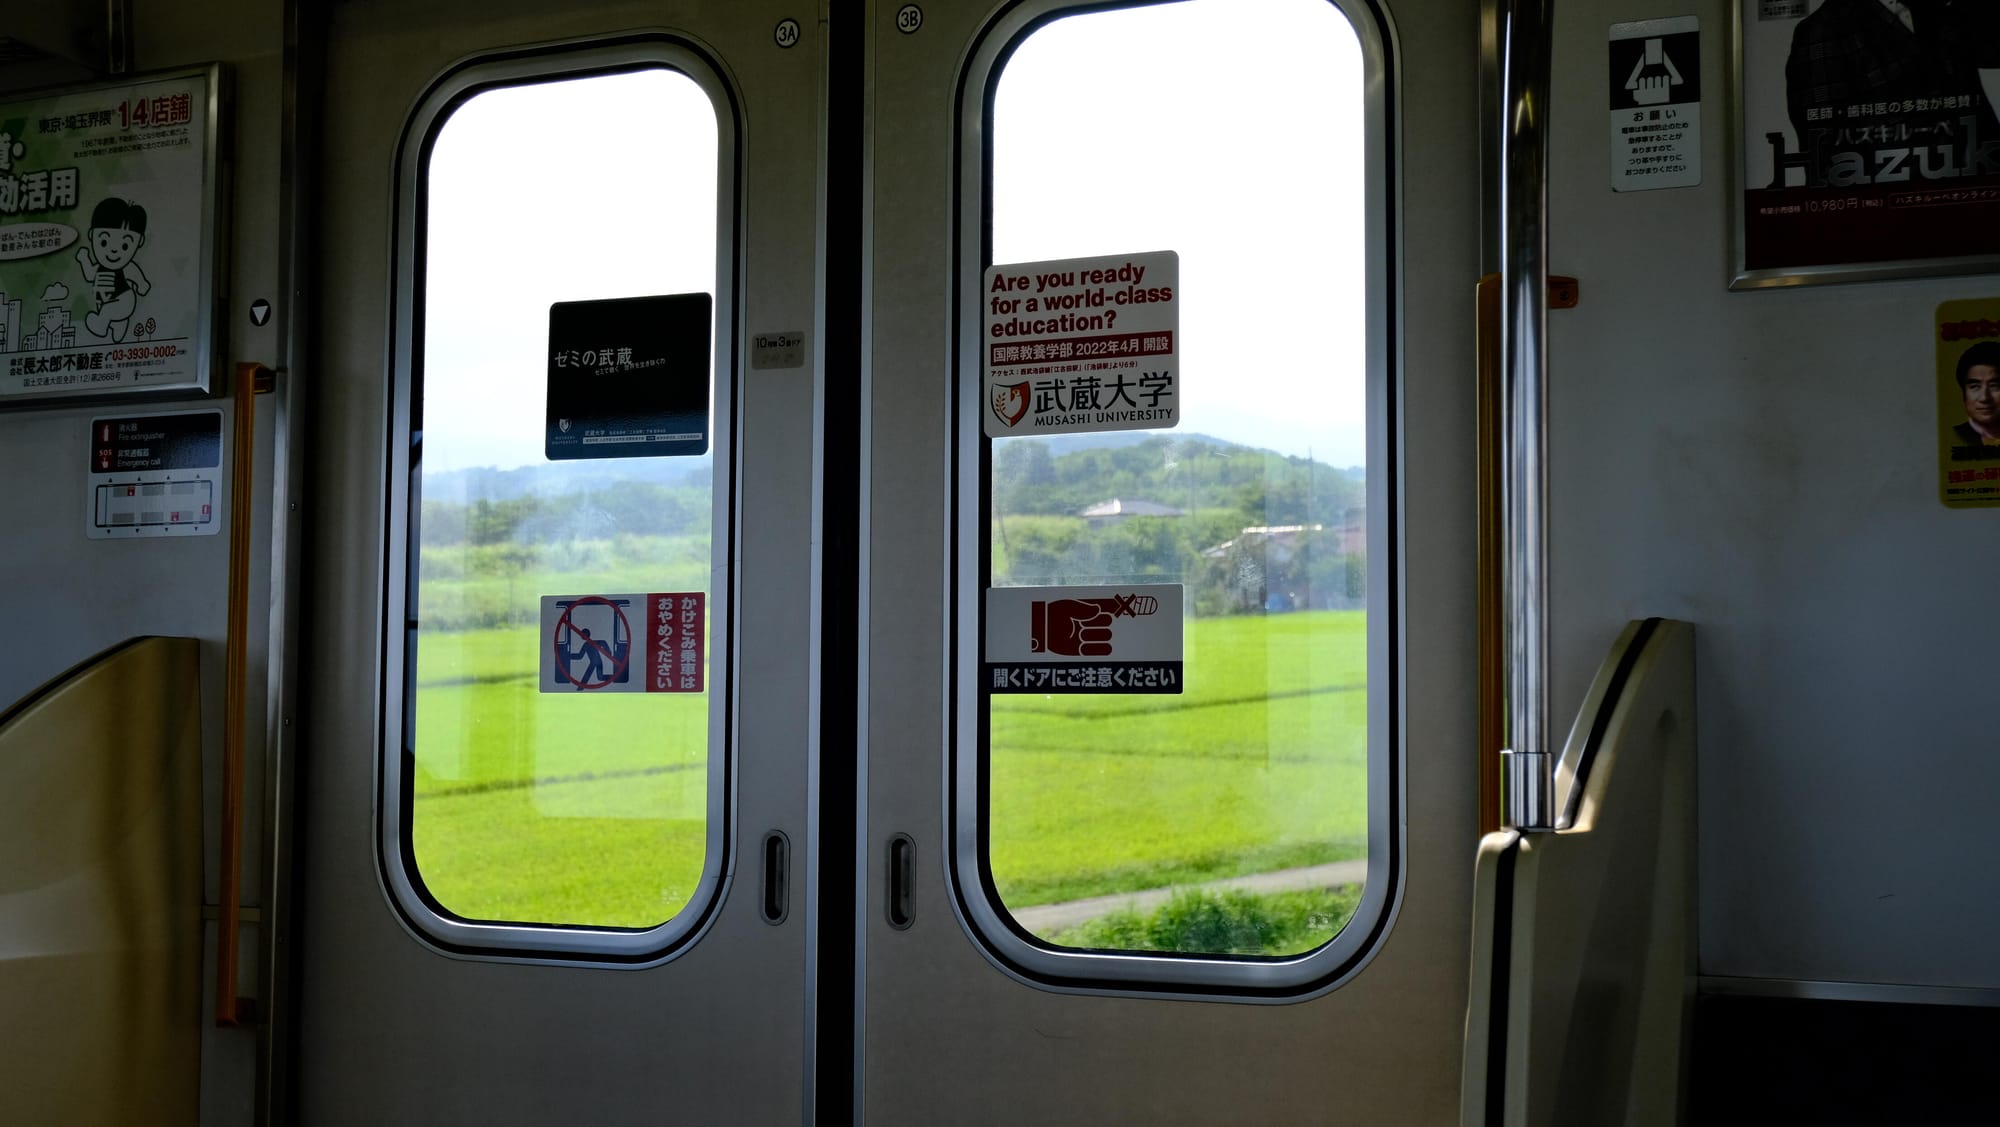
1045	918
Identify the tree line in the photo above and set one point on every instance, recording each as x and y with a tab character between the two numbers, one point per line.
1220	490
1038	534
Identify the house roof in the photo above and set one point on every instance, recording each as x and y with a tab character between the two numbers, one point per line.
1119	507
1281	533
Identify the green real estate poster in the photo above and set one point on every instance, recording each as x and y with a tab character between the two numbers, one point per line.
107	238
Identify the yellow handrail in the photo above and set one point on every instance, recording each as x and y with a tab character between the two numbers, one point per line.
250	379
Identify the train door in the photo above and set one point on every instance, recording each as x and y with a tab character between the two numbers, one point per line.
1169	644
555	781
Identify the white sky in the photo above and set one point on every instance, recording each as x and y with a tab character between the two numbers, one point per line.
520	218
1229	131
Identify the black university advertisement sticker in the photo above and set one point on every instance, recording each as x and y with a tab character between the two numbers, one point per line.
629	377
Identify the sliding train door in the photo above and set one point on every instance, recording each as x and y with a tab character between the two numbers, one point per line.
558	716
1168	646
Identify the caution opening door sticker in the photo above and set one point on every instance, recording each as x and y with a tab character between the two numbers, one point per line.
1116	639
654	643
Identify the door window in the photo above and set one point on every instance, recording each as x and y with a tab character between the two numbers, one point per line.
546	798
1226	830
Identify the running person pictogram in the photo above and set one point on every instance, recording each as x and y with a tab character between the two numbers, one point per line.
603	663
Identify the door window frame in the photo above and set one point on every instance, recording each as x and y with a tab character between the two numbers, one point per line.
420	913
974	896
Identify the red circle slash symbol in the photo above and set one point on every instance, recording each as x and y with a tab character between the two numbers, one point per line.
617	664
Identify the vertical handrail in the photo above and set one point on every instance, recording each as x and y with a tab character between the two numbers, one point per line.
118	36
236	688
1492	692
1524	32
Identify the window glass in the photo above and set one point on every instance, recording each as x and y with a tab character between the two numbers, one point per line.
1230	818
530	802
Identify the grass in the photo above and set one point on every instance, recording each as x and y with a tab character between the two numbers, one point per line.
589	809
474	587
553	807
1223	923
1094	794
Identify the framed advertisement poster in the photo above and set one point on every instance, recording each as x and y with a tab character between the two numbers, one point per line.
1968	386
109	239
1870	147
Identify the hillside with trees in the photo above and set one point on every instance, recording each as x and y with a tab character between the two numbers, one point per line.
1254	530
1310	553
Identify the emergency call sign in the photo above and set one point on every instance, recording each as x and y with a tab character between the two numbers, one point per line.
154	475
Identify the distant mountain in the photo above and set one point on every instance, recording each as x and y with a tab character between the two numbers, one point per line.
559	478
1060	444
547	479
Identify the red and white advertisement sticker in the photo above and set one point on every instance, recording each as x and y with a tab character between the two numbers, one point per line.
1081	344
655	643
1122	639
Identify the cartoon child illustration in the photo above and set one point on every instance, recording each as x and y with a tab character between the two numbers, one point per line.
117	231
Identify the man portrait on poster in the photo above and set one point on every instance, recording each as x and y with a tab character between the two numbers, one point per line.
1978	375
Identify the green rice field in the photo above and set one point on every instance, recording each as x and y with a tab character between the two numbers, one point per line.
588	808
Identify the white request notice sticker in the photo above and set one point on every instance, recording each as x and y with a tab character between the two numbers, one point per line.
1081	344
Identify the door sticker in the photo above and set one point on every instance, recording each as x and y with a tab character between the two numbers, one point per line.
778	350
1081	344
1115	639
653	643
629	377
1968	398
1656	104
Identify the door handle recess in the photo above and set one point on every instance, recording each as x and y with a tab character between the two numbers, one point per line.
777	878
902	876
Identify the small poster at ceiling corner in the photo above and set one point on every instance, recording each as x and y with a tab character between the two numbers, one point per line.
1656	104
629	377
1870	141
154	475
1093	639
108	233
1968	397
645	643
1081	344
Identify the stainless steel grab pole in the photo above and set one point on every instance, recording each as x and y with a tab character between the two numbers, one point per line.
1529	773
